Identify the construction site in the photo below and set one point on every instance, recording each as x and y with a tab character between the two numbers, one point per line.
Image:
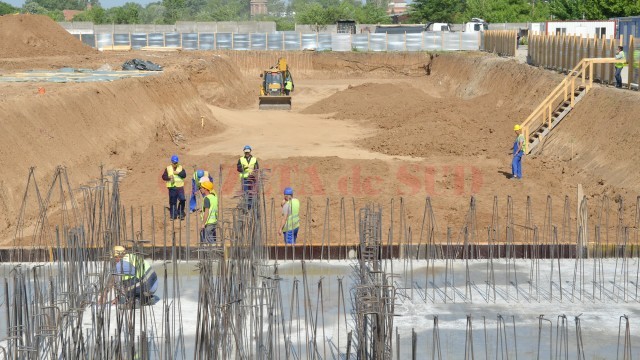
414	238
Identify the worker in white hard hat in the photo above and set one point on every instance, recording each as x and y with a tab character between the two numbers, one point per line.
209	212
518	152
133	278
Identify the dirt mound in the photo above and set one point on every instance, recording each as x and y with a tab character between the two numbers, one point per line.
435	115
82	126
220	82
599	137
36	35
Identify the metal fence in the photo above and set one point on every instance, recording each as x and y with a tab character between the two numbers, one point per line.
288	41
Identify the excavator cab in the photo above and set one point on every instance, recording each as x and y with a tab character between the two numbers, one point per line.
273	92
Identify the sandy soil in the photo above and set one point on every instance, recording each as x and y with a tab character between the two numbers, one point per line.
366	128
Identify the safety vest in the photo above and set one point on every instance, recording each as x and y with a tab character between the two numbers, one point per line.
177	180
288	85
247	166
293	220
620	65
195	176
139	264
213	210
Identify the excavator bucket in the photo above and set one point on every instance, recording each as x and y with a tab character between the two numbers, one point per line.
275	103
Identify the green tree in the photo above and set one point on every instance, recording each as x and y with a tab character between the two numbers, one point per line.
97	15
448	11
128	13
371	14
60	4
153	14
499	10
312	13
7	9
172	10
567	9
224	10
276	7
35	8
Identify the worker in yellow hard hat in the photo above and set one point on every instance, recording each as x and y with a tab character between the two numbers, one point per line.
133	278
209	212
518	152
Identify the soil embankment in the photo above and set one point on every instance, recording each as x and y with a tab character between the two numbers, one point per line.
37	35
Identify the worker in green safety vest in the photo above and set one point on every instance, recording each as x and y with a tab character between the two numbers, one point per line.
288	86
290	217
209	213
174	176
247	165
619	65
133	278
195	186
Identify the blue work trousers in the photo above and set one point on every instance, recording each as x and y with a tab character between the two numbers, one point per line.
618	77
516	165
176	202
290	236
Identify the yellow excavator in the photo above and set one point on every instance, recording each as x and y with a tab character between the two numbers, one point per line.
276	88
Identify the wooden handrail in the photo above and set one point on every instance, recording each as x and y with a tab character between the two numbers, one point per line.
566	89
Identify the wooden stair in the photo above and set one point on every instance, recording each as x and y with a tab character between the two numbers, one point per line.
571	90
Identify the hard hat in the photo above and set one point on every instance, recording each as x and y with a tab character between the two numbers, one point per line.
199	173
207	185
516	128
288	191
204	179
247	148
174	159
118	251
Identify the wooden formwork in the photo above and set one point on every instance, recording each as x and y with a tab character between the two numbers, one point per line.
564	52
501	42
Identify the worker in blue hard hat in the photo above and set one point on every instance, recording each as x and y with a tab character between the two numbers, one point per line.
174	176
247	164
290	217
195	185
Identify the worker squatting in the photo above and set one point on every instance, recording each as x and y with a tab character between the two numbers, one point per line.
174	175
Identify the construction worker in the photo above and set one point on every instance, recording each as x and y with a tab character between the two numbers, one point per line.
290	216
209	211
288	86
518	152
133	278
195	185
247	164
174	175
619	65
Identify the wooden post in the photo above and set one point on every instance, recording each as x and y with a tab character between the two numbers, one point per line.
631	60
612	51
573	93
590	77
565	53
164	39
